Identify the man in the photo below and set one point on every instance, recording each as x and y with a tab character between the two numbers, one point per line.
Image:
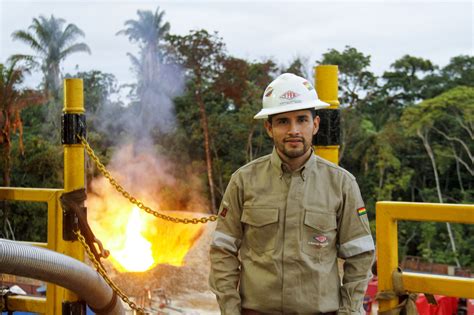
286	217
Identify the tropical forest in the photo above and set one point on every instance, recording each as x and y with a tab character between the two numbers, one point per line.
406	134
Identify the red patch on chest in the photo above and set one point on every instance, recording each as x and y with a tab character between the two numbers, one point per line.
320	238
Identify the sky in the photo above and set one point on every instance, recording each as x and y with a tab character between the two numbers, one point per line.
255	30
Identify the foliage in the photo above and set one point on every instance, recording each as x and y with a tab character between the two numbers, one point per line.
52	42
406	135
13	100
355	78
203	54
156	80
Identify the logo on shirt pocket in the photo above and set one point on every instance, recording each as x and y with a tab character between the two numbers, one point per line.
318	234
319	241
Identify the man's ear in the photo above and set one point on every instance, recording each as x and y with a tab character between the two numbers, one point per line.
268	128
316	125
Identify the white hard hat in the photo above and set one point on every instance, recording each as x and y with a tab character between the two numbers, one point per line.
288	93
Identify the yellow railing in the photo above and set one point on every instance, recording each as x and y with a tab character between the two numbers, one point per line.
387	216
73	179
51	197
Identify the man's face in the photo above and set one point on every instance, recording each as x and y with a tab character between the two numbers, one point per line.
292	132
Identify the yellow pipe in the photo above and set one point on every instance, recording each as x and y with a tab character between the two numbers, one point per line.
438	212
326	83
387	215
26	304
27	194
74	178
436	284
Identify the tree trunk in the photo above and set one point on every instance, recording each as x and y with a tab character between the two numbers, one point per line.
207	148
220	180
458	169
249	143
426	144
6	148
7	230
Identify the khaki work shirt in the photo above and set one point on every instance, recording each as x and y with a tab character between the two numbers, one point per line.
278	237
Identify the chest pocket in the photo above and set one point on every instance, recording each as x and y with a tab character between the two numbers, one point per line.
260	229
318	233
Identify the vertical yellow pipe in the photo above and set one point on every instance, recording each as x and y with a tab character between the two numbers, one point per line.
74	178
326	83
387	253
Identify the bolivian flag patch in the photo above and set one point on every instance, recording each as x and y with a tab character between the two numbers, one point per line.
361	211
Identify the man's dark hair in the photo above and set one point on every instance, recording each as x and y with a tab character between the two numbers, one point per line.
312	110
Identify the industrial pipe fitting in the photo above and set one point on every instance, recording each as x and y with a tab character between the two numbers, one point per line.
45	265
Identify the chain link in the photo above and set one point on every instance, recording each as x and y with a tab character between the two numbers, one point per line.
134	200
104	275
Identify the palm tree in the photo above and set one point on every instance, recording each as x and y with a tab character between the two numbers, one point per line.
148	31
153	93
52	43
12	101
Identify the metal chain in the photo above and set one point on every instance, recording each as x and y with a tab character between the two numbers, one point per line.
104	275
134	200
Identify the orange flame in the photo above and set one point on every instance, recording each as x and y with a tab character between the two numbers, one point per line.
135	254
137	240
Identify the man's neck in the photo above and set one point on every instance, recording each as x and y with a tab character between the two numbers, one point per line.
295	163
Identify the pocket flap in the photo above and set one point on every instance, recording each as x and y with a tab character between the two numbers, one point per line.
320	221
259	216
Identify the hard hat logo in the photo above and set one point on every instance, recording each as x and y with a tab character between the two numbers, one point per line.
288	93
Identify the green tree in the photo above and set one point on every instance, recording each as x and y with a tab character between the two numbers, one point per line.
202	54
12	99
355	79
297	66
405	84
444	124
158	82
459	71
52	41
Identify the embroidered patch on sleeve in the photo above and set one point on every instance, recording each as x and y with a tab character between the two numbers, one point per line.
224	212
361	211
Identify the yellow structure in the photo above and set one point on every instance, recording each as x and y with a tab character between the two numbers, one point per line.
387	216
326	83
74	178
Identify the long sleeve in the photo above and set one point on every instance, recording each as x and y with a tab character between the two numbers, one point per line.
356	246
225	264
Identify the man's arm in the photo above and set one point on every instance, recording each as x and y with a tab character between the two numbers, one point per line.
356	246
225	264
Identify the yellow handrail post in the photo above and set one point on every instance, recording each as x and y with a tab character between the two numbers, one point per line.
387	254
387	215
74	178
327	140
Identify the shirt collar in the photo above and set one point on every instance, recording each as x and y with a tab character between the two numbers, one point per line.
279	166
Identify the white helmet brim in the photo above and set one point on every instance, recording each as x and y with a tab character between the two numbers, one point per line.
265	112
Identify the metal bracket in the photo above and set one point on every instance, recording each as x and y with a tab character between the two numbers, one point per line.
71	126
70	224
74	308
329	128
